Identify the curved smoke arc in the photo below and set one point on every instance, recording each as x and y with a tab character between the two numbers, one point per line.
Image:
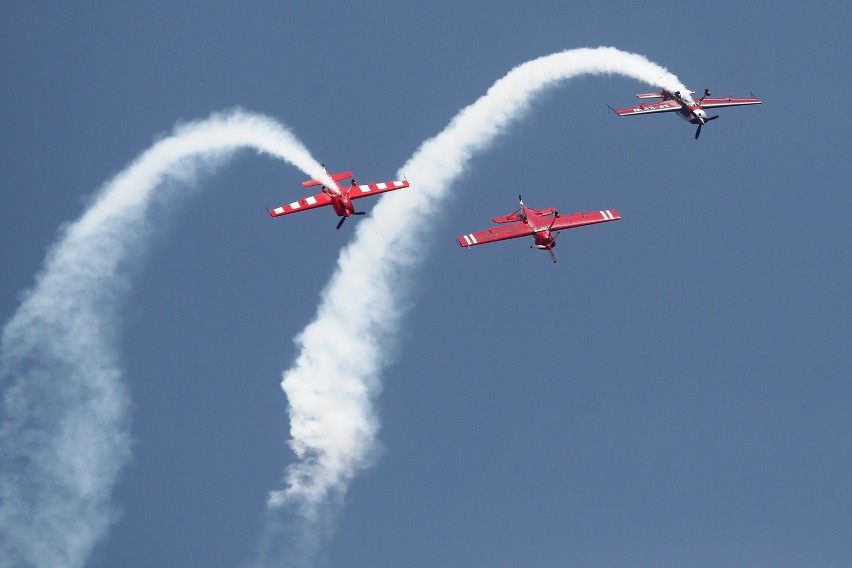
336	377
64	427
64	442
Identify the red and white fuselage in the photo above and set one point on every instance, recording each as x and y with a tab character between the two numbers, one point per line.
689	110
540	223
340	201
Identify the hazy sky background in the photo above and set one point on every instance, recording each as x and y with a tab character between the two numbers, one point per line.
674	391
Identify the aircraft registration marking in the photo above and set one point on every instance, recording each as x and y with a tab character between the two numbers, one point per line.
658	106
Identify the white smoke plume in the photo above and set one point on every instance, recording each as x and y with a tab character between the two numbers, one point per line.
335	379
64	432
64	428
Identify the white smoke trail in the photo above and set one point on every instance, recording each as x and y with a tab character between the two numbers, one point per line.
64	430
335	379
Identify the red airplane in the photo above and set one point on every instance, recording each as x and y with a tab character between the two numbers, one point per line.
338	197
540	223
688	108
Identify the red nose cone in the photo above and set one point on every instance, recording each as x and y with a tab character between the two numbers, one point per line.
545	239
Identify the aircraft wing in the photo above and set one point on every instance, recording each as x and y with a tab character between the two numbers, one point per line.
649	108
495	234
312	202
728	101
579	219
357	191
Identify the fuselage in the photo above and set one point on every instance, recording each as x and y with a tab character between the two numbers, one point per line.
340	201
540	224
690	110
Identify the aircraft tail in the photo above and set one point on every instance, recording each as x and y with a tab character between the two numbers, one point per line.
548	211
510	218
335	177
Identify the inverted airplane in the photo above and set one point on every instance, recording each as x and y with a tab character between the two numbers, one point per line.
542	224
339	197
687	108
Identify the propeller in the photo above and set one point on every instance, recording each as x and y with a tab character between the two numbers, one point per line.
548	249
555	236
542	247
700	124
342	219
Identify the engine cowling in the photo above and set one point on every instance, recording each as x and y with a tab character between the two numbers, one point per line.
544	240
342	205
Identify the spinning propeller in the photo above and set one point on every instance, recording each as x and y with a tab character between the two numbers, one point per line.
700	121
342	219
700	124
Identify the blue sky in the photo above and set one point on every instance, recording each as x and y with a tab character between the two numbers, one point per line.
673	391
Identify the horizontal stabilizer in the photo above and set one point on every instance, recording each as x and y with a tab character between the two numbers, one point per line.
511	218
660	95
544	212
335	177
